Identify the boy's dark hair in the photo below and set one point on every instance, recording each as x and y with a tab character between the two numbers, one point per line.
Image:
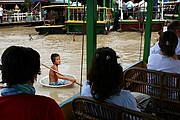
173	26
53	57
168	42
106	75
19	65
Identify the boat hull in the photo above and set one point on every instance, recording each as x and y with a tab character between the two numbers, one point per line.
136	25
55	29
78	27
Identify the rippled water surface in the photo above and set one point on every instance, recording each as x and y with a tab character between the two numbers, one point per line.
126	44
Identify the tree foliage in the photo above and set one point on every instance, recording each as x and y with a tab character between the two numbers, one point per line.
27	5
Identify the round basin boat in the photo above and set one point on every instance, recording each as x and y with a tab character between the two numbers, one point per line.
45	81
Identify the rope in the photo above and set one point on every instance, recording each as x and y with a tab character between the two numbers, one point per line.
84	32
140	45
142	31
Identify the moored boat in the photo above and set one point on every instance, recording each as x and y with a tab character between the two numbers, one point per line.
51	29
54	20
137	25
135	20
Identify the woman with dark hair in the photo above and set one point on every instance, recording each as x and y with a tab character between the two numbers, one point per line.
173	26
20	66
105	80
165	61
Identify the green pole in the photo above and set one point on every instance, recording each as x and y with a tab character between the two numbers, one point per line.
69	10
110	4
91	30
148	28
104	10
76	2
178	11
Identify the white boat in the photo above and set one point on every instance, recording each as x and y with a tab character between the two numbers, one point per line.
45	82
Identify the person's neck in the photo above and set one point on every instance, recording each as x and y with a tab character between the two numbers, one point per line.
174	56
56	65
29	82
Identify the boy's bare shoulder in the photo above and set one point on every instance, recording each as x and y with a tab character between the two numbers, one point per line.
54	67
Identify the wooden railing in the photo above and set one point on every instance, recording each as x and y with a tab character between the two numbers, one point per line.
77	13
21	17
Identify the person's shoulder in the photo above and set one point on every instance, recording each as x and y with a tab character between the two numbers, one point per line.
41	98
155	49
86	90
34	99
125	92
155	56
124	95
178	41
156	45
54	66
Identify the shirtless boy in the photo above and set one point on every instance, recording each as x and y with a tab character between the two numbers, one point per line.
53	76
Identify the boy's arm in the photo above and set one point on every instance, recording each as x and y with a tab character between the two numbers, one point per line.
62	76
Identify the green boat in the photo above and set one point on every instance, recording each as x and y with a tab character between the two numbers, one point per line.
54	22
71	19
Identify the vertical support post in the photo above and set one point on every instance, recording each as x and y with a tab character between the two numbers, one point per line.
120	7
40	11
162	9
76	2
148	29
104	10
91	30
69	14
110	4
178	11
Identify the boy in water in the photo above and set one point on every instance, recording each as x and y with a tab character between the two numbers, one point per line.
53	76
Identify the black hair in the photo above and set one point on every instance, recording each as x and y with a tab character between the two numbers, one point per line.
19	65
160	32
53	57
173	26
106	75
168	43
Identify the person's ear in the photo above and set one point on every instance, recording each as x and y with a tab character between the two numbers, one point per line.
34	78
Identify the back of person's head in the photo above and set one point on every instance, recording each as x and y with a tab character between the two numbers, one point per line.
173	26
160	32
168	42
105	75
53	57
19	65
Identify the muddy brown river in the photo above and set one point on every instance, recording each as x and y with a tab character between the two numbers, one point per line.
126	44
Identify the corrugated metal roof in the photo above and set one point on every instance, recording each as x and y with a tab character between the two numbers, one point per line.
11	1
